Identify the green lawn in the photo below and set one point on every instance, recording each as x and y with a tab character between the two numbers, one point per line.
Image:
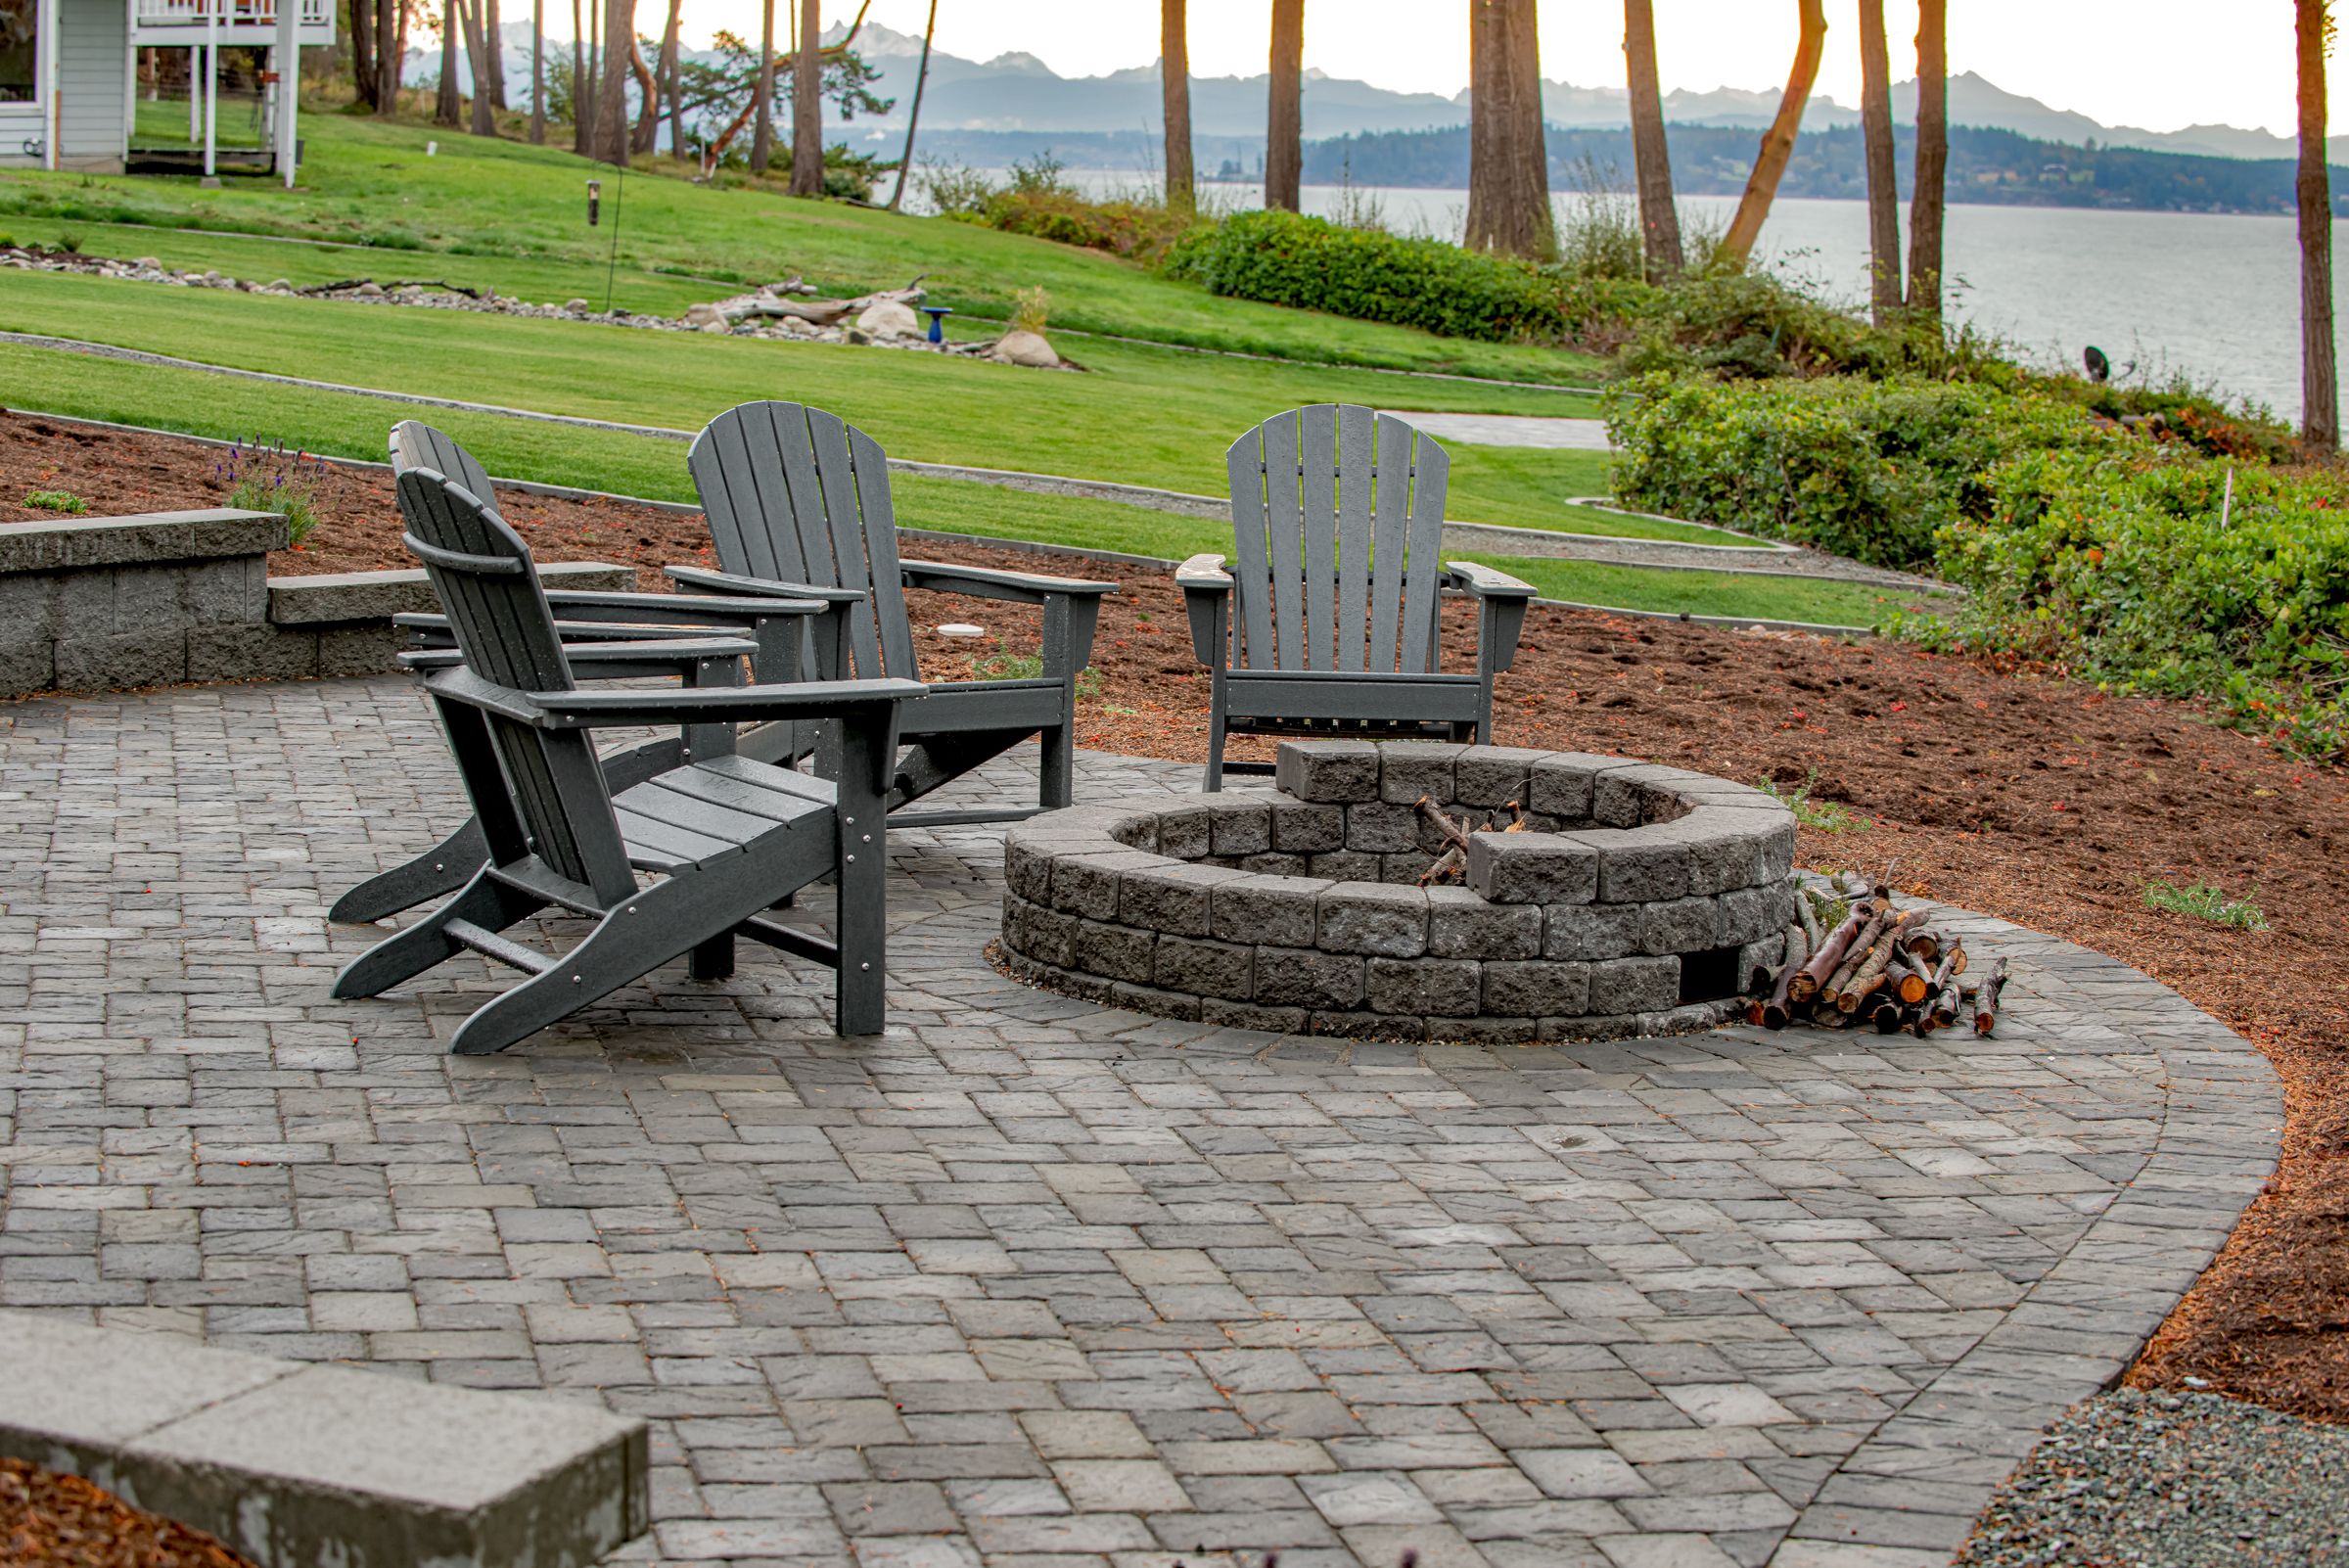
348	425
514	217
1140	415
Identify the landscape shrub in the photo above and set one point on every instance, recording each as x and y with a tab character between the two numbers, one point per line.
1872	470
2159	571
1313	264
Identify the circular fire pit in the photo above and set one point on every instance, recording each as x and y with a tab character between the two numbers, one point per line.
1629	899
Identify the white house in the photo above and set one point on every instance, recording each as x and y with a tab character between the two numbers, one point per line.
67	67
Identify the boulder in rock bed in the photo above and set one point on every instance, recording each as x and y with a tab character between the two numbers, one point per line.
890	318
1017	347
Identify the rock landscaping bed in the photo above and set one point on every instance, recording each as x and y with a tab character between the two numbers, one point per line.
2034	798
775	310
49	1520
2165	1480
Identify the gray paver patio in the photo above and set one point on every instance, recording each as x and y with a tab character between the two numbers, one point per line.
1034	1285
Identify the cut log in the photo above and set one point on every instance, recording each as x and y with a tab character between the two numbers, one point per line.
1986	998
1908	979
1888	1016
1778	1009
1806	909
1869	975
1922	944
1863	948
1813	978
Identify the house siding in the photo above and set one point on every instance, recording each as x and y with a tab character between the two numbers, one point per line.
92	85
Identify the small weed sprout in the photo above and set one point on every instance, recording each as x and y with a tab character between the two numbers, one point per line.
261	477
2204	900
1030	310
1031	666
1825	816
57	501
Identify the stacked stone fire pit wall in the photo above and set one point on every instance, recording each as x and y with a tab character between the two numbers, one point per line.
1637	901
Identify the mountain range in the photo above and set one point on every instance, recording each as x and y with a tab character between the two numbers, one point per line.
988	110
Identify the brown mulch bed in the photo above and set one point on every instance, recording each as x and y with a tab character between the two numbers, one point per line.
2007	791
49	1520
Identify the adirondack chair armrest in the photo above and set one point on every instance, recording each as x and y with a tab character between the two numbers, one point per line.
703	580
432	631
811	699
675	609
1206	599
1502	600
585	658
988	583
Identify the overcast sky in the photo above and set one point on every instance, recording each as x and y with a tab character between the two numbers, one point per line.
2157	64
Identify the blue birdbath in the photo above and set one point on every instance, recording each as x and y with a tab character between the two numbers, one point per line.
938	321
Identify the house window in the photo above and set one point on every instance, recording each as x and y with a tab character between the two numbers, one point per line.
19	55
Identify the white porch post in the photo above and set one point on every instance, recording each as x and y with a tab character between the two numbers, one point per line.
45	59
289	84
211	84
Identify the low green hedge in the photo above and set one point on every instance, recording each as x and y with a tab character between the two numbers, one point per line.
1867	469
1123	228
2133	568
1313	264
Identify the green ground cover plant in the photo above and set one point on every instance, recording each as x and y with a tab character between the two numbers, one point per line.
2203	900
65	501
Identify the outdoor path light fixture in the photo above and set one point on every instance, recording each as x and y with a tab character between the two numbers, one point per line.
595	201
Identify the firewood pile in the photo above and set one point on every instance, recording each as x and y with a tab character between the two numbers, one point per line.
1452	864
1856	957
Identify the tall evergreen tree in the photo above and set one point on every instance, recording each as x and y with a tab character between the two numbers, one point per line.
808	104
1777	142
1508	160
1284	119
1174	95
1659	219
1925	203
762	130
2320	376
1884	176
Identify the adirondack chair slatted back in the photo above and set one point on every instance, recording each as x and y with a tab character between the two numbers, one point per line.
487	585
796	495
1337	522
416	444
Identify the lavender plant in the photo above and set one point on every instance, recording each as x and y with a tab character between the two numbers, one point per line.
263	477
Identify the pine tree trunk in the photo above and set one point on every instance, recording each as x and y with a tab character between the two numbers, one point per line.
808	104
582	86
447	101
1659	221
390	53
1284	148
611	107
476	61
1883	174
1925	203
1777	142
1175	93
497	55
674	84
538	73
648	99
762	93
363	52
913	116
1509	159
2319	378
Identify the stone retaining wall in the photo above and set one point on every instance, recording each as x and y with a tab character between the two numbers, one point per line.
1636	901
115	603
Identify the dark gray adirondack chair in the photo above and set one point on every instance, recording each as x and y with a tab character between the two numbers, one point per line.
798	505
597	629
1337	517
726	836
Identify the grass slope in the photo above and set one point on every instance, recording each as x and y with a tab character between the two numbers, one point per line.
347	424
1140	415
512	215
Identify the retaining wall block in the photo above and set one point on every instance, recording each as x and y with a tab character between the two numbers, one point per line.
1303	827
1381	827
1633	986
1537	989
1224	1014
1373	918
1204	968
1044	935
1748	914
1088	884
1409	770
1368	1025
1635	796
1148	999
1493	775
1638	865
121	661
1338	770
1461	925
1450	986
1185	832
1239	823
1345	865
1306	977
1587	931
1272	911
1680	925
1114	952
1531	868
1565	781
1173	898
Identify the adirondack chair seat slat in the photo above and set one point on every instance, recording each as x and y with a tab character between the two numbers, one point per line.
1323	618
665	824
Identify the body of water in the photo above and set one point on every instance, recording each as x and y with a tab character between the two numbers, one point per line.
2213	296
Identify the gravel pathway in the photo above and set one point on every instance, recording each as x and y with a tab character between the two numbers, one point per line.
2162	1480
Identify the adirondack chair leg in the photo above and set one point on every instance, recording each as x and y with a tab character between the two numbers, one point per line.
439	871
861	986
629	943
712	959
405	954
1214	733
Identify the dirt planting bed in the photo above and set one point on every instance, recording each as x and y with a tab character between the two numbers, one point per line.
2011	792
49	1520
